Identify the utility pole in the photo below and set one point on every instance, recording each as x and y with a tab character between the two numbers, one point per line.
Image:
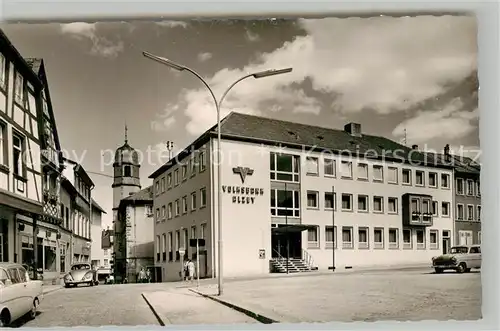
333	228
170	146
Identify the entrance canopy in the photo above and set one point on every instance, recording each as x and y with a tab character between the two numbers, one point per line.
289	228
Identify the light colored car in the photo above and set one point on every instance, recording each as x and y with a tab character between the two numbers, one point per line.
19	295
461	259
81	273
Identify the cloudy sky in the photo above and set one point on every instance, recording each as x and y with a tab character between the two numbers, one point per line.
389	74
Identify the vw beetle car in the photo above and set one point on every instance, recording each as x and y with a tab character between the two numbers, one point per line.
19	295
461	259
81	273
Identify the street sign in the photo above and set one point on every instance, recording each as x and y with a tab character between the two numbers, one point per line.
196	242
182	251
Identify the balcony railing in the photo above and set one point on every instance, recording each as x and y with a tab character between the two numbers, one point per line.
50	195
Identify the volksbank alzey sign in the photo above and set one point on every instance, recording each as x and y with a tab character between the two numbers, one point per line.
243	194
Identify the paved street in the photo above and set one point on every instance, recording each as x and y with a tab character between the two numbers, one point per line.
96	306
369	296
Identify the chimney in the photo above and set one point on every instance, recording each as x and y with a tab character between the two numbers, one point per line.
354	129
414	147
447	150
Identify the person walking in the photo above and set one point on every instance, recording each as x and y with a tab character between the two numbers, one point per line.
142	276
148	275
186	271
191	268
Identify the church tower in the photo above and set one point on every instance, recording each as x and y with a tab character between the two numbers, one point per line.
126	178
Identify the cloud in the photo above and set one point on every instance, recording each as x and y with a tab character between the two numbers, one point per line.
173	24
101	46
202	57
251	36
384	64
166	120
450	123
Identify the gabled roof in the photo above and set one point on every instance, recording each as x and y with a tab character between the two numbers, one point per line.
77	167
268	131
97	206
143	197
460	164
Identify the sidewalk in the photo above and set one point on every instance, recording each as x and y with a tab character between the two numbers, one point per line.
181	306
50	288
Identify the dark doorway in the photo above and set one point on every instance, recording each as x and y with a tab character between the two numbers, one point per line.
279	244
446	245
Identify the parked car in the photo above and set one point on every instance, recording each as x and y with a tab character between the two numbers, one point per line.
19	295
81	273
461	259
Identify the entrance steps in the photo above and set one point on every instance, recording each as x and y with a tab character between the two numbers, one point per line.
279	265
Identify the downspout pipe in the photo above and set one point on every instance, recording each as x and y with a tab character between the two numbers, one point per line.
89	229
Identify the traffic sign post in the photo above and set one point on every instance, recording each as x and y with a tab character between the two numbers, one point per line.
181	253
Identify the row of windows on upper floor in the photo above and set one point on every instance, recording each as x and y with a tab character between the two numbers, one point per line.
162	243
468	187
196	164
173	209
75	221
20	85
286	167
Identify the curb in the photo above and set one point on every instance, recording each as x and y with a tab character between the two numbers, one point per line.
260	318
52	290
158	318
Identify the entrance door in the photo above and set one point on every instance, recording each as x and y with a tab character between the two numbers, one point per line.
465	238
446	245
287	244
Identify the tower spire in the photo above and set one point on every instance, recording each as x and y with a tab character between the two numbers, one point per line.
126	135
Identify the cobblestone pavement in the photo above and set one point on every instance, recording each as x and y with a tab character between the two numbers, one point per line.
377	296
96	306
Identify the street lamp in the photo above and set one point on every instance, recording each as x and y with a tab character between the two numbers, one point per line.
218	103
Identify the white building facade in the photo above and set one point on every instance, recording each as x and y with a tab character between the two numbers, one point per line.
282	200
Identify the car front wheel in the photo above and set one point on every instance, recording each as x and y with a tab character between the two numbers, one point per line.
34	309
461	268
438	270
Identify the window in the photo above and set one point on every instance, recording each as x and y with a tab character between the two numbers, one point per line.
420	239
392	205
363	238
330	167
346	169
312	199
3	142
363	203
203	197
176	177
126	171
330	200
193	165
433	238
460	186
470	212
284	167
426	206
434	208
170	246
479	238
378	204
184	171
378	173
470	187
478	213
346	201
406	176
169	210
202	231
184	205
347	237
169	181
163	212
157	214
193	201
433	179
407	242
392	174
177	207
312	237
17	154
478	189
3	71
193	232
149	211
445	181
177	245
14	275
162	185
312	167
445	209
378	238
393	238
285	203
419	178
460	212
164	247
203	161
331	236
158	248
362	171
19	88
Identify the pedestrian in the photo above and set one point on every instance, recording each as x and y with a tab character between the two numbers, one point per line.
186	271
148	275
190	270
142	276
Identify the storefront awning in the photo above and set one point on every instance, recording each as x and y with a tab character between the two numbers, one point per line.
284	228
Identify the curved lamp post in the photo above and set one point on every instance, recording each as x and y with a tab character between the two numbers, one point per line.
218	104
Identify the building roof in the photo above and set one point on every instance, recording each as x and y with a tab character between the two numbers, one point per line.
268	131
77	167
461	164
97	206
34	63
144	195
